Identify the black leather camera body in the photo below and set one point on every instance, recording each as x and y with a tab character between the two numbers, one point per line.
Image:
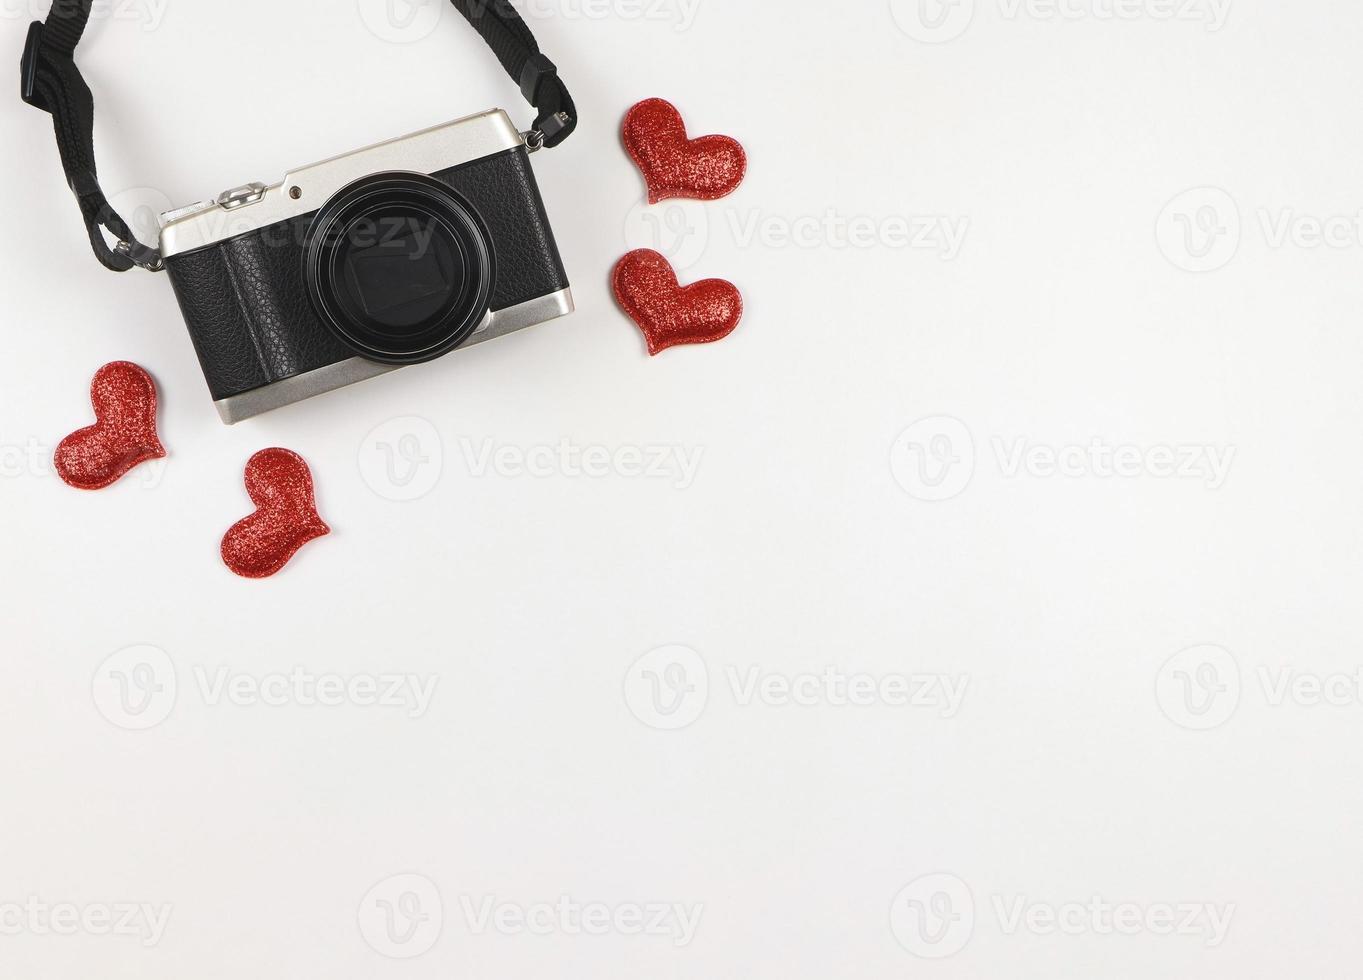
347	269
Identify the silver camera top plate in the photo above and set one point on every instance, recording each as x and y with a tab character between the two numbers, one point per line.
302	191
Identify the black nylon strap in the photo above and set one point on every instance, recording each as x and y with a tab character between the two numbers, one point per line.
515	47
50	80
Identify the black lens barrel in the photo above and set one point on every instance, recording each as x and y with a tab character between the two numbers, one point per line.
399	267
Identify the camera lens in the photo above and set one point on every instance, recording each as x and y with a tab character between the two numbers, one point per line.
400	267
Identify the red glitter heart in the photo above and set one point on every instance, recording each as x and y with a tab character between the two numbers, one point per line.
668	314
705	169
124	433
286	518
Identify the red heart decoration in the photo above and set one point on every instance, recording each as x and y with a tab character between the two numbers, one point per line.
124	433
705	169
668	314
280	485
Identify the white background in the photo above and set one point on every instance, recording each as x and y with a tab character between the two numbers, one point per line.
1138	273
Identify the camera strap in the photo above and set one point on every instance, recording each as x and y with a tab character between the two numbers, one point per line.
50	80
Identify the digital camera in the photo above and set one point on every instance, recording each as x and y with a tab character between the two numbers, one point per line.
344	270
